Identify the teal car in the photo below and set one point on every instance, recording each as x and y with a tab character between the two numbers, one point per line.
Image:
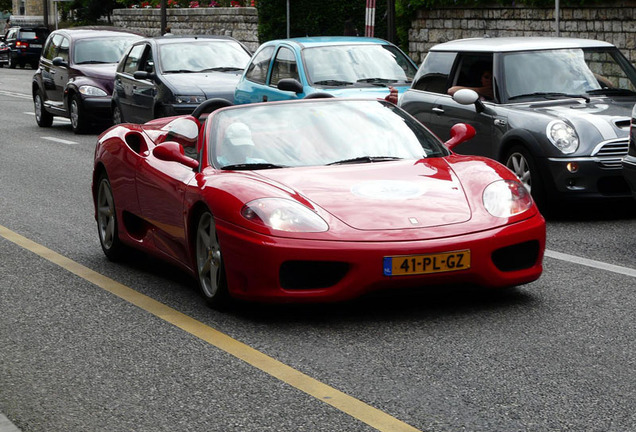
324	66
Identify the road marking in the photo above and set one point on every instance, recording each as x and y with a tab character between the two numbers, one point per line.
591	263
13	94
329	395
6	425
59	140
55	119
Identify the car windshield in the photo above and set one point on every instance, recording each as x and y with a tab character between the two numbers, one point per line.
339	65
102	49
202	56
317	132
567	72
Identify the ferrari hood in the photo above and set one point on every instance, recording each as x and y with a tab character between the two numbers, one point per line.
385	195
208	84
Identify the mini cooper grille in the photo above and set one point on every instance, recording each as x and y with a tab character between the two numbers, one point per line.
610	154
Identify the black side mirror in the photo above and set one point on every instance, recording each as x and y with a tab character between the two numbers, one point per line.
290	84
143	75
59	61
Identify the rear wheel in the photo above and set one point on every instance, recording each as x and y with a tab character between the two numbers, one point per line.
42	117
107	224
209	262
12	63
77	115
118	118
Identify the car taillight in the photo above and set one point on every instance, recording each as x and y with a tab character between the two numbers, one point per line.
20	44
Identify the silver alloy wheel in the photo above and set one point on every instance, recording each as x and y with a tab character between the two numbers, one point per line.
38	108
106	222
518	164
74	113
117	115
208	256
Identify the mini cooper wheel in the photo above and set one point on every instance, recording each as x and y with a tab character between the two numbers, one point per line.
522	164
209	262
107	224
42	117
77	115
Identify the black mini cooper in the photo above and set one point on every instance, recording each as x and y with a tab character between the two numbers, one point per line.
556	111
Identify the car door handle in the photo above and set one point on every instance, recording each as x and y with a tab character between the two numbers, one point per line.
438	110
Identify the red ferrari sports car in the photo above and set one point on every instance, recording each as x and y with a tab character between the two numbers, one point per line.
312	200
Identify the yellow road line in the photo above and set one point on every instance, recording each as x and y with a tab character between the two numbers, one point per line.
339	400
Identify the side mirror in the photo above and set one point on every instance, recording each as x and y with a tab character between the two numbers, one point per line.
290	84
469	97
143	75
171	151
59	61
460	133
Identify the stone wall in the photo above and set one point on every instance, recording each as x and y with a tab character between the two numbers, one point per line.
239	23
612	23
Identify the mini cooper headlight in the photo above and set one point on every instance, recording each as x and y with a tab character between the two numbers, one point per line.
184	99
283	215
563	136
88	90
505	198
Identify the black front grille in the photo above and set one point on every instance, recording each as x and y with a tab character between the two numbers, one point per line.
516	257
299	275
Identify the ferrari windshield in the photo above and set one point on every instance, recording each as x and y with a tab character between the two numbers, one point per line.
202	56
317	132
567	72
350	64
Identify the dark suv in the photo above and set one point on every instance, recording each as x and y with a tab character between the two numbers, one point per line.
76	73
556	111
25	45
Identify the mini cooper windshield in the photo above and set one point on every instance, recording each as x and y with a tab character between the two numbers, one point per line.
318	133
567	72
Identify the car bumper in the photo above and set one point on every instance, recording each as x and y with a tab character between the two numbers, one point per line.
591	178
99	108
629	173
261	268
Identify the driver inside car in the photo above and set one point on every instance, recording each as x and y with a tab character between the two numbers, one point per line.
238	146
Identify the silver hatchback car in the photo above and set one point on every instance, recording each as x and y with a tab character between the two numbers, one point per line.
556	111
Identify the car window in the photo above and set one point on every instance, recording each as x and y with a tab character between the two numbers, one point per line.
101	50
27	34
202	56
63	50
134	57
433	75
147	62
53	47
257	70
284	66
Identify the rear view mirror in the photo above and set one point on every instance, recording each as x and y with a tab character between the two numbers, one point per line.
290	84
171	151
460	133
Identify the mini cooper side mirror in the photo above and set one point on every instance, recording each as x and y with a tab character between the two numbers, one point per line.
290	84
460	133
469	97
172	151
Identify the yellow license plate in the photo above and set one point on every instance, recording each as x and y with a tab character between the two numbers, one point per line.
425	264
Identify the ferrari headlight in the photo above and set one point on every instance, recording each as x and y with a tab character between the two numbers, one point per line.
88	90
283	215
185	99
505	198
563	136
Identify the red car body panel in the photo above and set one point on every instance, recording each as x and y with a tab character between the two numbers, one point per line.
158	201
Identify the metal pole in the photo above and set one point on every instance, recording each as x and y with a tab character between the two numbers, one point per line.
390	20
288	20
556	16
164	21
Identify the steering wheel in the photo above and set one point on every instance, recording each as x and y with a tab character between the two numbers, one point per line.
206	107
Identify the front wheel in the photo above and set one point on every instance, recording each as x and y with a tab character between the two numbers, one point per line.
522	164
107	225
118	118
209	262
77	115
42	117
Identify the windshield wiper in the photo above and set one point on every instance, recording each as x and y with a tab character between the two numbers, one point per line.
179	71
94	62
611	91
377	81
551	95
222	69
252	166
333	82
365	159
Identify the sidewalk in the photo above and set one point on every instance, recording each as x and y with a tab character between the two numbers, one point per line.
6	425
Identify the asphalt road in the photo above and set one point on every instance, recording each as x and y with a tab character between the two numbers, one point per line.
89	345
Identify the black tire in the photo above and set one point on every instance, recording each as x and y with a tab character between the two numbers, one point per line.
77	115
209	263
12	63
107	223
42	117
522	164
118	116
